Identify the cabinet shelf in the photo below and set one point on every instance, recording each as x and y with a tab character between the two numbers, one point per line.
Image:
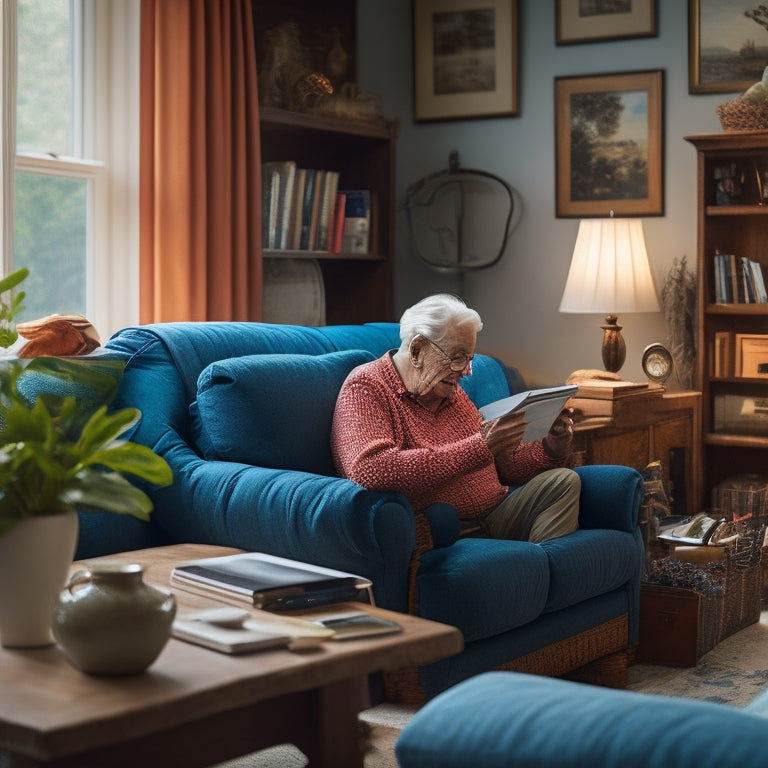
322	255
735	441
358	287
737	210
736	309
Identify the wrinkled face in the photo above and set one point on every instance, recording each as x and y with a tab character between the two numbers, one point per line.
436	379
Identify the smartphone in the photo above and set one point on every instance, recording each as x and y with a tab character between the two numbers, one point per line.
348	626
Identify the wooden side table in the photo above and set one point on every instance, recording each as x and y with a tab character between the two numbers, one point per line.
642	429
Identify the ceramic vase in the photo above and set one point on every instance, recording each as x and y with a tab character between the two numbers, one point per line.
35	556
108	621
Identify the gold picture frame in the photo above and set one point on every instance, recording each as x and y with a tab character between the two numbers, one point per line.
751	356
465	59
719	36
575	25
609	145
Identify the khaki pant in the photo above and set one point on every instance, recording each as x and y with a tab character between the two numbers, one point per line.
546	507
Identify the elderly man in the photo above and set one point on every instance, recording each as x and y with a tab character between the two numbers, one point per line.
403	423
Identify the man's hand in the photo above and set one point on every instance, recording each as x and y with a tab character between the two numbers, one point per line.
558	442
504	433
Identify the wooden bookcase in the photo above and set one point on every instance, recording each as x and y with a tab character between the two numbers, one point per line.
737	224
358	287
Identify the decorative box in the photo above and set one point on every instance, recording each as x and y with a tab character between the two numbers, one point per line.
742	497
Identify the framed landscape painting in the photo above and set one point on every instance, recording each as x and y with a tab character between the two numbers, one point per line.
727	45
465	59
608	145
601	20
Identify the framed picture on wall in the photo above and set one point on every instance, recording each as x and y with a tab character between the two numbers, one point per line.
727	45
580	22
608	145
465	58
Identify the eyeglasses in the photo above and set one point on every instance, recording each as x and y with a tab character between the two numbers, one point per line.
459	362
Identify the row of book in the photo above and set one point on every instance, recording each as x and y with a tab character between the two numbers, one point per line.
304	210
739	280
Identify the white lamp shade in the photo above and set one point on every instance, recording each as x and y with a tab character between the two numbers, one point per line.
610	273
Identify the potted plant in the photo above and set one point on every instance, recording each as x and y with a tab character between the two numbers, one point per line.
60	451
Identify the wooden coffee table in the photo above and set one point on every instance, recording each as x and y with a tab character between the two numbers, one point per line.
196	707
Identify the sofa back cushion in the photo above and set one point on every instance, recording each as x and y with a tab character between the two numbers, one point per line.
271	410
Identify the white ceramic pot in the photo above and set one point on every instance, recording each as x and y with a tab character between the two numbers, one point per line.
109	622
35	556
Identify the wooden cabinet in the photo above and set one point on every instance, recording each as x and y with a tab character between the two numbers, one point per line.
358	287
732	194
645	429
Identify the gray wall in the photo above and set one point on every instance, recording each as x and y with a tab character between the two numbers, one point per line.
518	298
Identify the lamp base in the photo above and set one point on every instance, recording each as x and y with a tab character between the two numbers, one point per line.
614	349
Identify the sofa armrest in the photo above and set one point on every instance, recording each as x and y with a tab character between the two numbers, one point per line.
328	521
610	497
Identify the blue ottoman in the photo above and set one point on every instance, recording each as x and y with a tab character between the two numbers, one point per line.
505	719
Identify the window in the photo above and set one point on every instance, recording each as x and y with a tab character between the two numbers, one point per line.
75	218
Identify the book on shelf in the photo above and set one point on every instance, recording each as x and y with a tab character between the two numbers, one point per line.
738	280
338	222
297	210
541	406
314	219
268	582
310	181
357	221
270	201
608	389
280	211
327	206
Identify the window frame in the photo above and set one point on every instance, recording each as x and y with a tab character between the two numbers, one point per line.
108	139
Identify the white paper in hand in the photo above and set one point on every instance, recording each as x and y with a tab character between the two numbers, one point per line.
541	406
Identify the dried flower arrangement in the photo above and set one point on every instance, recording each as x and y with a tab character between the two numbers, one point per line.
678	298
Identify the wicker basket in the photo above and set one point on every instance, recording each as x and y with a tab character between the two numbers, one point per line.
743	116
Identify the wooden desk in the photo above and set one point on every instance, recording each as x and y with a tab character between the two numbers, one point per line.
196	707
643	429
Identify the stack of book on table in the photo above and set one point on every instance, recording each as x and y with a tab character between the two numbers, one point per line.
252	581
598	397
258	580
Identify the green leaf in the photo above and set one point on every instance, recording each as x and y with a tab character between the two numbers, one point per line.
134	459
102	428
10	282
96	491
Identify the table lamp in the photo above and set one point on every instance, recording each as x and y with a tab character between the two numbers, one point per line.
610	274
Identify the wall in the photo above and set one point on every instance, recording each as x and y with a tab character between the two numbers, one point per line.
518	298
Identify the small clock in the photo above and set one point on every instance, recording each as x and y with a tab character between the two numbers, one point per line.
657	362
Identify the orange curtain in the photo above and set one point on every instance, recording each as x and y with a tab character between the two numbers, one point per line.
200	176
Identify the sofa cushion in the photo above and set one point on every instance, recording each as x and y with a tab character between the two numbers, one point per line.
483	586
502	719
588	563
271	410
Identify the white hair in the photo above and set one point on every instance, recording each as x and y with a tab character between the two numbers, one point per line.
434	317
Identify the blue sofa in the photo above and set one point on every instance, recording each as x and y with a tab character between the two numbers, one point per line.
506	720
242	411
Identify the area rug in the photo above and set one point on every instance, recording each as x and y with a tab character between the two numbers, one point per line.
732	673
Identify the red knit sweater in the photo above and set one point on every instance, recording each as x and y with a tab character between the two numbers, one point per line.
382	438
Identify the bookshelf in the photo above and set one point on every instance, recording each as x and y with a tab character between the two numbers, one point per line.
732	195
358	287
